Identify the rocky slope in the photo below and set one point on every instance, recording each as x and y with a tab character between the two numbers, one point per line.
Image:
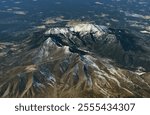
82	60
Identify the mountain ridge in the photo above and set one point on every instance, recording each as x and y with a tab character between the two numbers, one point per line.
70	62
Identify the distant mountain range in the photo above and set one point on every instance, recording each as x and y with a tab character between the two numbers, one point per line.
78	60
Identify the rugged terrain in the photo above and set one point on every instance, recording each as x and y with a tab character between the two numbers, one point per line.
78	60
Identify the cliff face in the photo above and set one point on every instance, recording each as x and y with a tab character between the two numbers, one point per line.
82	60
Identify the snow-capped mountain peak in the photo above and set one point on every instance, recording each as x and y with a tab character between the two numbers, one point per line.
82	28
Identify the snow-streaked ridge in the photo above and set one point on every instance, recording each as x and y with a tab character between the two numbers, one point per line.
83	29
